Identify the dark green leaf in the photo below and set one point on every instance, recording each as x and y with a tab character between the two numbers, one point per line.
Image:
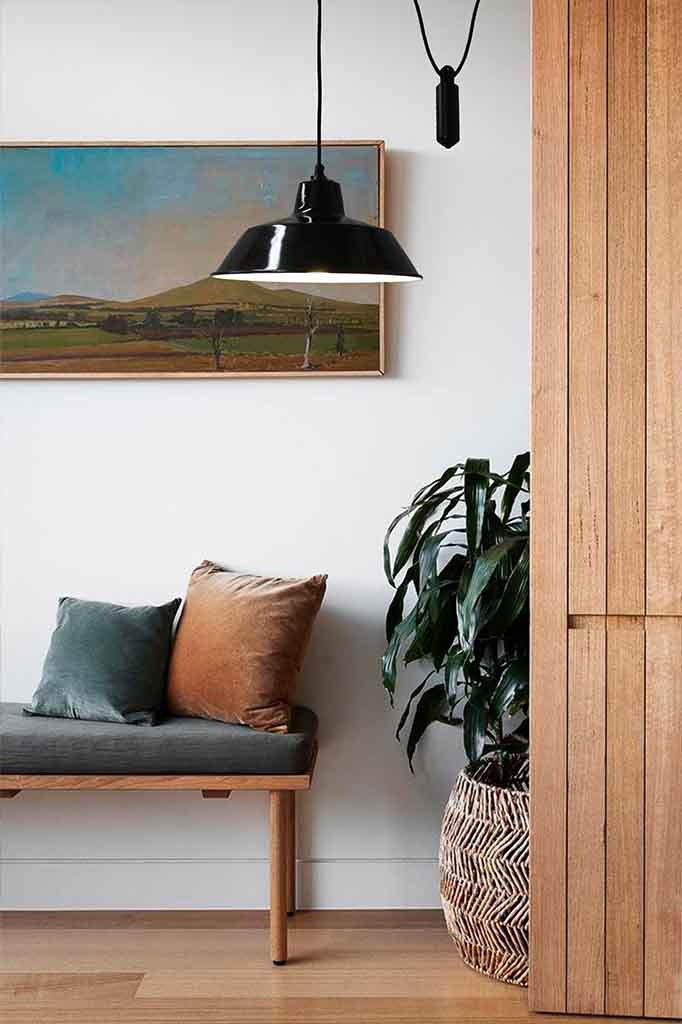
443	614
475	728
520	704
432	707
406	712
519	526
515	480
508	746
417	554
423	632
428	558
522	729
453	667
425	492
389	660
412	534
395	609
476	480
513	677
468	611
493	527
425	510
452	570
388	572
514	598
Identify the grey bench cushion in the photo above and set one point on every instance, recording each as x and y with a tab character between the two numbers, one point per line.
178	746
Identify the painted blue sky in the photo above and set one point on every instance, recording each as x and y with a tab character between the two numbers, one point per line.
123	222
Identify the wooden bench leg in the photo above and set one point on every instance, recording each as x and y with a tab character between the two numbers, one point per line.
291	854
279	806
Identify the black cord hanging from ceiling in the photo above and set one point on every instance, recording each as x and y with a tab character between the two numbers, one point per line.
319	167
447	91
467	47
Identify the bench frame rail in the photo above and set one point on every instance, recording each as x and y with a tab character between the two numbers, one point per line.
282	790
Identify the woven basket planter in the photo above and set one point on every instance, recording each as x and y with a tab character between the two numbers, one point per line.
484	871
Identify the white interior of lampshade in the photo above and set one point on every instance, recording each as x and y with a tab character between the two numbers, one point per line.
316	277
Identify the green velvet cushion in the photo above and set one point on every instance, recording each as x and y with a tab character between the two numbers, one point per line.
106	663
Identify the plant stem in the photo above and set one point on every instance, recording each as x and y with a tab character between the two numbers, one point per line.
500	758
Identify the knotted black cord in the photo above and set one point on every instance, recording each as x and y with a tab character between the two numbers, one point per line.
468	42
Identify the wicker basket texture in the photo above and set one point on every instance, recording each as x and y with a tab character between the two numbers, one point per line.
484	870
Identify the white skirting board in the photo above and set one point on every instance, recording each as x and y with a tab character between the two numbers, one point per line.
220	884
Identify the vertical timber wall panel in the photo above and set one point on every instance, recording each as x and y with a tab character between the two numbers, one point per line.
587	308
626	504
626	295
663	834
550	471
625	820
606	716
586	807
663	907
587	393
664	308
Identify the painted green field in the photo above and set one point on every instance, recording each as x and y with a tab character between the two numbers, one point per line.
283	344
16	338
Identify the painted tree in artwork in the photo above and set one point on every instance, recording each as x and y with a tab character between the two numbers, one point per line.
215	332
152	319
311	324
340	341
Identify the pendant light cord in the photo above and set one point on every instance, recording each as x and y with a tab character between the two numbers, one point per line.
319	166
426	41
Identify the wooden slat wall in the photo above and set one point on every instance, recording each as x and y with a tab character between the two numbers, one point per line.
550	473
664	301
586	808
606	728
587	308
663	832
626	506
624	950
626	290
663	836
587	497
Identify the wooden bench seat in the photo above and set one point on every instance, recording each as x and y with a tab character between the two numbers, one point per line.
27	742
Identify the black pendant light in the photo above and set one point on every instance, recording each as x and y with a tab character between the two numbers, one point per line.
318	244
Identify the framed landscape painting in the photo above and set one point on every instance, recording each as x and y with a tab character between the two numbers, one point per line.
106	251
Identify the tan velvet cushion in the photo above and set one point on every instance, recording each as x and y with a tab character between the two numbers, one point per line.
240	645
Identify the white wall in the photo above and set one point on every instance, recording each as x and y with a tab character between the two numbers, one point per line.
115	490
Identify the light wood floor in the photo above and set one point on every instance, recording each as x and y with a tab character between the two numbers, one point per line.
346	967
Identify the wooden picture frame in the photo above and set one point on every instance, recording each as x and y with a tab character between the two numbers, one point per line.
99	333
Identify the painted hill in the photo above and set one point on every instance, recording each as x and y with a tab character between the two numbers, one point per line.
26	297
211	291
55	300
72	300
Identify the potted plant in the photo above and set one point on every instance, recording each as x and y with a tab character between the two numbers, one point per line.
460	573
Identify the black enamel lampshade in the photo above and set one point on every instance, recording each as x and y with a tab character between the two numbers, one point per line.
318	244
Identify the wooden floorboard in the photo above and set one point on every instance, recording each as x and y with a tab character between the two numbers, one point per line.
346	967
309	1011
220	919
103	988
